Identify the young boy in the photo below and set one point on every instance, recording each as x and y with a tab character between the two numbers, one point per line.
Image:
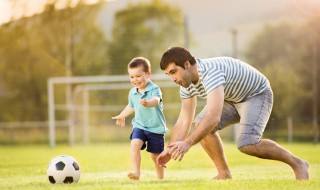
145	99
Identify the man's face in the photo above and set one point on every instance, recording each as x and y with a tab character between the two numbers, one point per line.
178	75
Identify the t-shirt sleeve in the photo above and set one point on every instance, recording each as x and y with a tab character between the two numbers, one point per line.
131	104
157	92
213	79
184	94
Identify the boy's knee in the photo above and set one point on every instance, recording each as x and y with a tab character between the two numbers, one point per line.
136	143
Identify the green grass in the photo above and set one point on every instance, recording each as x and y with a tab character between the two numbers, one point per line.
104	166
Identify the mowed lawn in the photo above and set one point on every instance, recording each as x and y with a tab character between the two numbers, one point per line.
104	166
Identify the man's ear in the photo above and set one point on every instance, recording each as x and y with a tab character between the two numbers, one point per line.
187	65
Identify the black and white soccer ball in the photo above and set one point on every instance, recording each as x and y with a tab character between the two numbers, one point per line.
63	169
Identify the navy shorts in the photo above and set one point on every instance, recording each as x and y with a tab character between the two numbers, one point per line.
153	141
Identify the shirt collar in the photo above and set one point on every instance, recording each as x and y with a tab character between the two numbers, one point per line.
148	88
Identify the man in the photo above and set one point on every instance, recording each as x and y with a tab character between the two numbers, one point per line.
235	92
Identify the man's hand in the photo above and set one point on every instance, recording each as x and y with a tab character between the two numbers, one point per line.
164	158
178	149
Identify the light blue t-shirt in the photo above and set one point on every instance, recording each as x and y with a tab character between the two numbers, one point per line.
150	119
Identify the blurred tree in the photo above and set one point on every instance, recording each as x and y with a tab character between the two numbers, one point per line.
287	54
23	73
273	52
34	49
286	89
75	31
144	29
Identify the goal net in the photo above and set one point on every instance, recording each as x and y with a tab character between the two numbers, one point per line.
89	102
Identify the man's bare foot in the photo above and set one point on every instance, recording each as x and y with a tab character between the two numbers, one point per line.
301	170
133	176
223	177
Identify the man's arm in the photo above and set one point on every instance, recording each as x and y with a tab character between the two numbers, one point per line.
215	101
181	128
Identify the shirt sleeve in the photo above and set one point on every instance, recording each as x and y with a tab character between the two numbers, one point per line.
131	104
157	92
212	79
184	94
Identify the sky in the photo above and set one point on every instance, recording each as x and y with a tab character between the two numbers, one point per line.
31	7
25	7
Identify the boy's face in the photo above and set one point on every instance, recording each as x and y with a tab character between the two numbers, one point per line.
138	77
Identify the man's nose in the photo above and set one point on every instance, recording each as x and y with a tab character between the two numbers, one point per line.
172	78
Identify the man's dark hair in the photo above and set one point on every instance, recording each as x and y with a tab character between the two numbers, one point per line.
177	55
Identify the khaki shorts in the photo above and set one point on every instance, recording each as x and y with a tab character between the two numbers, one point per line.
251	116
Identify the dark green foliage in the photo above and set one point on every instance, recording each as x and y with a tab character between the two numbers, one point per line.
287	54
34	49
144	29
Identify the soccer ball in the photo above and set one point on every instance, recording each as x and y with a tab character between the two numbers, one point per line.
63	169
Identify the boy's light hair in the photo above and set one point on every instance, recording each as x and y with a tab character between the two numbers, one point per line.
140	61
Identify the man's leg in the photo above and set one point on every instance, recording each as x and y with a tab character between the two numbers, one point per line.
212	144
255	113
268	149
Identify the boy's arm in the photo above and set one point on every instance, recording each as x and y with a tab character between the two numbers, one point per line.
121	117
154	101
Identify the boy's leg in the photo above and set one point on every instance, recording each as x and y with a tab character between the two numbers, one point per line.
135	156
155	146
159	169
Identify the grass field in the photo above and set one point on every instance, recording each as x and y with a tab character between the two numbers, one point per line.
104	166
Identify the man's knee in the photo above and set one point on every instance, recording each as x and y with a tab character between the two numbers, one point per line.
246	142
246	149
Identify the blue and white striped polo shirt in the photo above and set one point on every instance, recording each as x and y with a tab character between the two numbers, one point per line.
240	80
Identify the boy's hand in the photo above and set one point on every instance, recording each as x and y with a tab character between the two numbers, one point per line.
144	102
120	120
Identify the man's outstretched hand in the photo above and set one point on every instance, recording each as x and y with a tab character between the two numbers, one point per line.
178	149
164	158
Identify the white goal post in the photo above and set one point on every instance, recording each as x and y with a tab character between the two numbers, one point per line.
84	85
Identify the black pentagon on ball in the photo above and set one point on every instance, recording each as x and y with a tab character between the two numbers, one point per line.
60	165
51	179
76	166
68	180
